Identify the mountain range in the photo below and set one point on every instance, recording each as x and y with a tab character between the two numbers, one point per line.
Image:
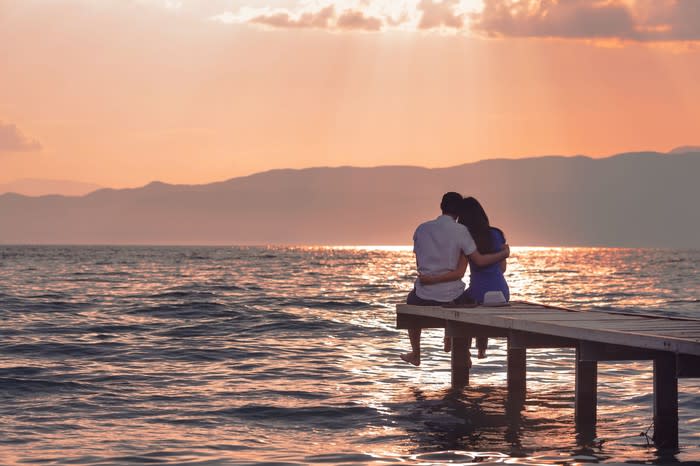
43	187
628	200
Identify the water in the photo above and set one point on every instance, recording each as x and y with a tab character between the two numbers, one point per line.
133	355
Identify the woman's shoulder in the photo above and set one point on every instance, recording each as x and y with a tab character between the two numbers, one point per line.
498	234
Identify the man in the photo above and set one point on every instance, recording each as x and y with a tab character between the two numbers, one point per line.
438	245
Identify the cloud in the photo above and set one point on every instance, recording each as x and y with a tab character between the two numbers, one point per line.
679	21
601	20
12	140
440	14
320	19
366	15
554	18
641	20
325	18
354	19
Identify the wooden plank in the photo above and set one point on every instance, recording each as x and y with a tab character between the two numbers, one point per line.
666	336
575	315
641	332
691	335
633	327
608	352
647	331
691	331
644	323
574	318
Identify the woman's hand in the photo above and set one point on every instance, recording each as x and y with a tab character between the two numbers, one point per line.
450	276
428	279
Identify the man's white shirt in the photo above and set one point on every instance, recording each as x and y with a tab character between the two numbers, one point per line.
438	245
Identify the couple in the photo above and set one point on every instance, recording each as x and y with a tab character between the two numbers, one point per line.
443	248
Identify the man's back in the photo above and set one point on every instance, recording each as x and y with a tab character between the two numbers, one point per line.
438	245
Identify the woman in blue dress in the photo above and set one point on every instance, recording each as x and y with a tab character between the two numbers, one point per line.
488	239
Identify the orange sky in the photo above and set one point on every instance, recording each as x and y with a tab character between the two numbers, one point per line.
122	93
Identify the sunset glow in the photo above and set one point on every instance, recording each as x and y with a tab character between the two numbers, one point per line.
124	93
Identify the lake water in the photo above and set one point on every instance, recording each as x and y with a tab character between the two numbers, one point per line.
286	356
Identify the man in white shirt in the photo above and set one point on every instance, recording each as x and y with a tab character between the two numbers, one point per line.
438	245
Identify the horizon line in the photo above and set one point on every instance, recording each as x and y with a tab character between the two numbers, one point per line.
364	247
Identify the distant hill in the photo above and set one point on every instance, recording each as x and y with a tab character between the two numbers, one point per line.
685	149
633	199
40	187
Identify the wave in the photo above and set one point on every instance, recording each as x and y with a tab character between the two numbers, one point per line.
18	386
327	417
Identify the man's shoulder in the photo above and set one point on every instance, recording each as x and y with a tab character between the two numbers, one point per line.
427	224
440	224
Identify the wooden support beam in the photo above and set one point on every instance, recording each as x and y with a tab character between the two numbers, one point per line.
535	340
460	362
517	374
688	366
461	329
586	392
608	352
406	321
666	402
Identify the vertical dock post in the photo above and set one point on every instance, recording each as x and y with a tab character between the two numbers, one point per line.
516	360
586	403
665	401
460	361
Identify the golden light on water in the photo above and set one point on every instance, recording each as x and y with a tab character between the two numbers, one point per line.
388	248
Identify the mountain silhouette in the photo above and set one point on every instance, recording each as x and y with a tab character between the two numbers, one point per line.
42	187
628	200
685	149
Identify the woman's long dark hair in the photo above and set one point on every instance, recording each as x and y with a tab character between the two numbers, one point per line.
473	216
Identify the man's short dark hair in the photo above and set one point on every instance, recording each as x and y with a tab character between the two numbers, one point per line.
451	203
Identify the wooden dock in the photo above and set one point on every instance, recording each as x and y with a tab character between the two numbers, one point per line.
672	343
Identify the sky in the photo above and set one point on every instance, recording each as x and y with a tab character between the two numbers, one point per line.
124	92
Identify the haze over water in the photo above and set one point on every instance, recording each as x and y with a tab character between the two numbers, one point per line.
185	355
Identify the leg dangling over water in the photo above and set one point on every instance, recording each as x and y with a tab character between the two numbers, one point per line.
414	356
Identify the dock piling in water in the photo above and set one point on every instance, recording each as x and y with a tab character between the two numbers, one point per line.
460	361
516	367
665	401
672	343
586	400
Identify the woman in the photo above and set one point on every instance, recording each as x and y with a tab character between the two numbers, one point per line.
488	239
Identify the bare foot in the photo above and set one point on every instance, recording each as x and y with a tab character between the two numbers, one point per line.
411	358
447	344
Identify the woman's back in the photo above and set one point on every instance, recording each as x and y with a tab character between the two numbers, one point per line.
489	278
